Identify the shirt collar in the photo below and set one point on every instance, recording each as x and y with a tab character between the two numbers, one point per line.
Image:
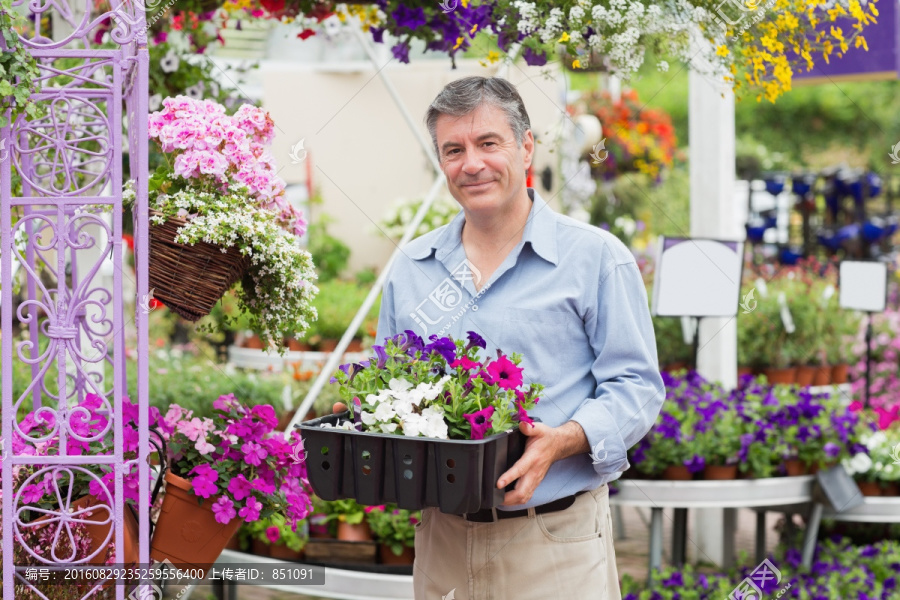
540	232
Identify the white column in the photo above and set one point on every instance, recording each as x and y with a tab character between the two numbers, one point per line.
712	179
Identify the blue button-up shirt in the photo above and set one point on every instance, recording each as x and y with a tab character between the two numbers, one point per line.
570	298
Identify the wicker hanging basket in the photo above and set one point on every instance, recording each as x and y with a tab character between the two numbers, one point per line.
190	279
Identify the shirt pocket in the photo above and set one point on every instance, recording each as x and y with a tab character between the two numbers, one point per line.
541	337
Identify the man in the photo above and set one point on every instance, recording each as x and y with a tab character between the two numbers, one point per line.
570	298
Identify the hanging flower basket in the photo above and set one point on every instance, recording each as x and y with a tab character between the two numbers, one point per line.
187	533
190	279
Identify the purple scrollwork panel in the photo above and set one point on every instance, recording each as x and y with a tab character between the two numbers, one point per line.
74	440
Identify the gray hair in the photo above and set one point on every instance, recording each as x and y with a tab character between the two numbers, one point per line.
461	97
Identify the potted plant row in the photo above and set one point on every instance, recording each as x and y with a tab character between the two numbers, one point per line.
754	431
792	329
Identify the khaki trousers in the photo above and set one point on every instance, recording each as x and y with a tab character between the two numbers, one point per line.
565	554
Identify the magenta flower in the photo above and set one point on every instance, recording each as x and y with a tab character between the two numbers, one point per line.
273	533
266	414
254	454
465	363
480	422
521	413
260	485
33	493
239	487
250	511
204	487
505	373
224	510
225	402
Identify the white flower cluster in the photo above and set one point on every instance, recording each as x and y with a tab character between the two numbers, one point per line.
621	30
883	461
402	211
282	274
397	406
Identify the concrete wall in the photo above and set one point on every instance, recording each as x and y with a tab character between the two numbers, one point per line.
361	153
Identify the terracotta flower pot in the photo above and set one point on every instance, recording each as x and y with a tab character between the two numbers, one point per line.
890	489
354	346
357	532
389	558
260	548
795	468
744	371
327	345
869	488
187	533
805	375
282	552
783	376
675	366
823	375
253	341
720	472
98	533
839	374
234	543
677	473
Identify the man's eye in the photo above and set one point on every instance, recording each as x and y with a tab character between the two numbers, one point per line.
490	143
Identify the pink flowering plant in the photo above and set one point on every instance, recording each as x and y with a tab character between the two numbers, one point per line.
221	179
442	389
237	461
89	431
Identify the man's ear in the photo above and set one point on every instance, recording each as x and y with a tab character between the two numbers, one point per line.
528	147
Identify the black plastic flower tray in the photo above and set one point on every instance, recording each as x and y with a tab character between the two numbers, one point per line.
456	476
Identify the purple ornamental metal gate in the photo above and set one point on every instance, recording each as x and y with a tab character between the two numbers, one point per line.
62	240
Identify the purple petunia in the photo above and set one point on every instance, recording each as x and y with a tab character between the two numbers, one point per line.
443	346
475	340
695	464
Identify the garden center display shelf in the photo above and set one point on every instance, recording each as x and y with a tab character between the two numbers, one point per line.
872	510
251	358
344	584
682	495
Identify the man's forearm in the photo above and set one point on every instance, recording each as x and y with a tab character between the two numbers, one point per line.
571	440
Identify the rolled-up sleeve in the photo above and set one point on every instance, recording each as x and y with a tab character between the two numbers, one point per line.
630	390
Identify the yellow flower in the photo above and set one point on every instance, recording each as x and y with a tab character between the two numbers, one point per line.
564	37
576	64
722	50
493	56
459	42
861	41
474	29
465	3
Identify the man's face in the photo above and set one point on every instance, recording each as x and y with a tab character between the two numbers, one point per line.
485	168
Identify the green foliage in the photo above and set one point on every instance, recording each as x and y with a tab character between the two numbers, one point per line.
670	344
19	71
261	530
337	303
347	510
330	254
194	382
393	527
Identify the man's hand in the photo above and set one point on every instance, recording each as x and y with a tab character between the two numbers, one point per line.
545	446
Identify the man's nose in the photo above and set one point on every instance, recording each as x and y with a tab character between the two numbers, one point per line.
472	162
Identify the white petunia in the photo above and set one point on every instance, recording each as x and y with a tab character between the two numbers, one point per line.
368	418
169	63
402	407
413	424
384	412
861	463
398	386
389	427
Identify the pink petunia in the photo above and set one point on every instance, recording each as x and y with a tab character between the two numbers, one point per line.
273	533
465	363
250	511
239	487
480	421
505	373
224	510
254	453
